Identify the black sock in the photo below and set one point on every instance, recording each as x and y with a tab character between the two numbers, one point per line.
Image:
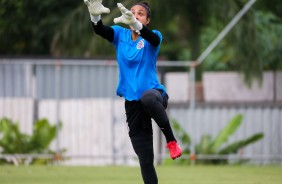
167	131
163	122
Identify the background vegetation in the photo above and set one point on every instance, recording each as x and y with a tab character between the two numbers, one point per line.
14	141
62	29
209	145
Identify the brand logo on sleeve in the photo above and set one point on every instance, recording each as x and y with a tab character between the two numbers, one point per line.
140	44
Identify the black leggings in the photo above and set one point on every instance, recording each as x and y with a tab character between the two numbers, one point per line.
139	113
154	103
143	147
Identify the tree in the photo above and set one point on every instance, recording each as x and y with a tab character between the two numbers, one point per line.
196	16
63	29
76	38
27	27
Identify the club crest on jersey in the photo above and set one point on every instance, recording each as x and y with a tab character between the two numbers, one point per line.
140	44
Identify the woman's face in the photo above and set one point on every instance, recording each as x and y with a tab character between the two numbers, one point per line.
140	14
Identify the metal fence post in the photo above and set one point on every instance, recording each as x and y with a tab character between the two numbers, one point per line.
192	105
58	106
33	91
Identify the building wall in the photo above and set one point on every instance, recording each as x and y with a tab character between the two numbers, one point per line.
226	87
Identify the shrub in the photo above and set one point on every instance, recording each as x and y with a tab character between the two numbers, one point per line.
214	146
13	141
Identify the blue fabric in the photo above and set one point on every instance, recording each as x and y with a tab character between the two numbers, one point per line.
137	64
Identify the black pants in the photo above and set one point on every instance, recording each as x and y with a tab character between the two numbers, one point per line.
139	113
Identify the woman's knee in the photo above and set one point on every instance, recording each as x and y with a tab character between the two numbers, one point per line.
150	97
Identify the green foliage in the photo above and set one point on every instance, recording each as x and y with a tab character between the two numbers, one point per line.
27	27
224	134
13	141
215	146
43	135
63	29
271	6
234	147
268	27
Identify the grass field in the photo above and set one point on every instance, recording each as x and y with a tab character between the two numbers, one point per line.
131	175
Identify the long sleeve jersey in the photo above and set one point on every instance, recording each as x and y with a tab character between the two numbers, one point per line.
136	59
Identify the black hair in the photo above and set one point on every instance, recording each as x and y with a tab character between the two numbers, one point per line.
146	6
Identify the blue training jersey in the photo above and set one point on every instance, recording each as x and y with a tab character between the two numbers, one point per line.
137	64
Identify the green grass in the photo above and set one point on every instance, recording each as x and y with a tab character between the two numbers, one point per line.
131	175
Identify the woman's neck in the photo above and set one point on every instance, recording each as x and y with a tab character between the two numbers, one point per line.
134	35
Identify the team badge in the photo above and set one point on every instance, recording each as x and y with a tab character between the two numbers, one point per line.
140	44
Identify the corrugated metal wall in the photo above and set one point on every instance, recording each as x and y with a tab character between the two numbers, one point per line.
81	94
210	120
40	78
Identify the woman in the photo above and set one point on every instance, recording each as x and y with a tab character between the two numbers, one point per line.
137	49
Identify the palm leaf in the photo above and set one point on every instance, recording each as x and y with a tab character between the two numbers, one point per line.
234	147
205	144
12	140
43	135
226	132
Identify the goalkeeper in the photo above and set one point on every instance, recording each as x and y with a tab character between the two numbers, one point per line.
137	49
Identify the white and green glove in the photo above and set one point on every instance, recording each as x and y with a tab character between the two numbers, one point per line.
95	9
128	18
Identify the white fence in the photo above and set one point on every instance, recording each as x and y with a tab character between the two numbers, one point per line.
81	95
256	119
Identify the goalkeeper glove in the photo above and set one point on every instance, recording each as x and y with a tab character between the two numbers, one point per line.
128	18
95	9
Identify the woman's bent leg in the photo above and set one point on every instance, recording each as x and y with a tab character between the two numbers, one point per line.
155	104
